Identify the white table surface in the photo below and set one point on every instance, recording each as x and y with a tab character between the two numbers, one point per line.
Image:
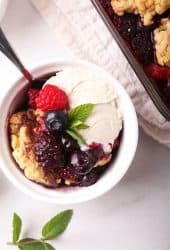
133	216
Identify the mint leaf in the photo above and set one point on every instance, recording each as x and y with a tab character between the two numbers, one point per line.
17	225
78	125
57	225
48	246
73	133
81	112
31	244
83	126
77	118
75	124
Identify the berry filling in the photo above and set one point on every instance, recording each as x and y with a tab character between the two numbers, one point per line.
139	39
48	151
61	155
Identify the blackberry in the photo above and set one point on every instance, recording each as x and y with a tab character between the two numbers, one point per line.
69	173
83	161
143	47
48	151
69	144
127	26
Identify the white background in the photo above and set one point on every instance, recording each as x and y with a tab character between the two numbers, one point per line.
133	216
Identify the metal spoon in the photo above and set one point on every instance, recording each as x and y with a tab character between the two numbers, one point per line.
8	51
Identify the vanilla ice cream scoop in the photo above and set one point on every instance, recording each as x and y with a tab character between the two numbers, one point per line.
83	86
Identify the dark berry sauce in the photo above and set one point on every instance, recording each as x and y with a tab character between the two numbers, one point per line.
139	39
62	158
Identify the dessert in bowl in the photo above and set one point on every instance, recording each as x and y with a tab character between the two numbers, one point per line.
76	134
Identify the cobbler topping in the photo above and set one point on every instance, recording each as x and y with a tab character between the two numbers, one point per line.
162	42
147	9
22	125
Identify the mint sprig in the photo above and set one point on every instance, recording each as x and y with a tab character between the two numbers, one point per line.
17	226
73	133
77	117
81	112
51	230
57	225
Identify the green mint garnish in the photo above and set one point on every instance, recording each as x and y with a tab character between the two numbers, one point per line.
51	230
77	117
57	225
81	112
33	244
73	133
17	225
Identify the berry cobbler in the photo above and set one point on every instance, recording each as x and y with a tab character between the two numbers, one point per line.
145	27
68	131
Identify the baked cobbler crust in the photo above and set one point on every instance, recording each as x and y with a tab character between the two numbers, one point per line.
22	125
147	9
162	42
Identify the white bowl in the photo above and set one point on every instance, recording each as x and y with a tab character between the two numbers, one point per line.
73	194
3	7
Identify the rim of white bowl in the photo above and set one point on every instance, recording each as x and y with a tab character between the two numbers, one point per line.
127	149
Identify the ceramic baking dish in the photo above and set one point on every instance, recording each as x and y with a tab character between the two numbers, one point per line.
150	87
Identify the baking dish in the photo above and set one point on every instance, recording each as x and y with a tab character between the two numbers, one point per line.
148	84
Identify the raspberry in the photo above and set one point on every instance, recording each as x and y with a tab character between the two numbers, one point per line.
51	98
32	94
157	72
48	151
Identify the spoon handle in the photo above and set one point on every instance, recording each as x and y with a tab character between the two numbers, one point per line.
8	51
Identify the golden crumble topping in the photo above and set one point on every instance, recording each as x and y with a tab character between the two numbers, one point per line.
162	42
22	125
147	9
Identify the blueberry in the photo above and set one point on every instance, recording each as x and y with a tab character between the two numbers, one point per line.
56	121
89	179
